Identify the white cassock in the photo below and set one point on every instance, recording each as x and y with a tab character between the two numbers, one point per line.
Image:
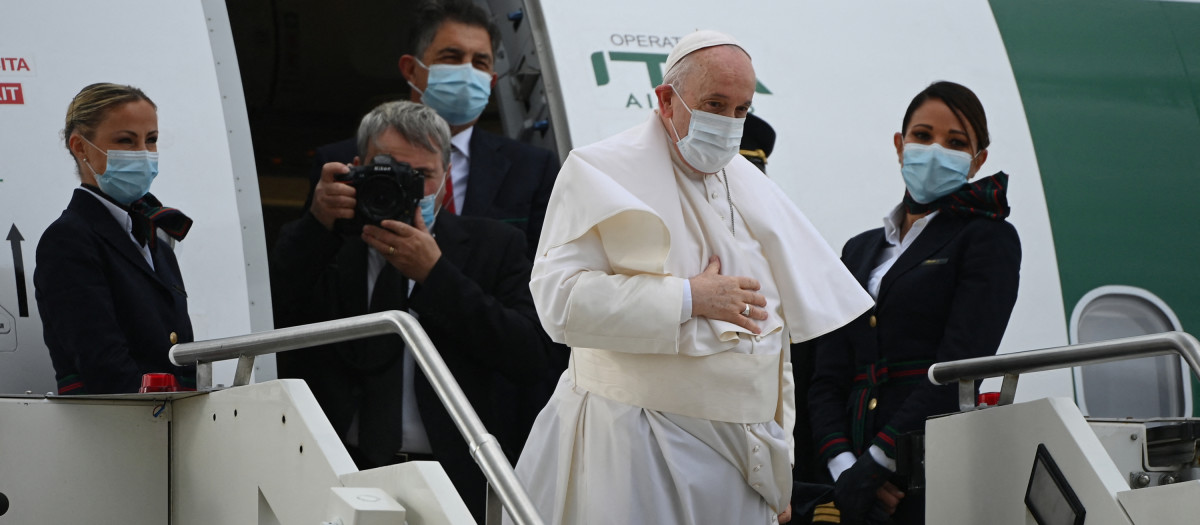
664	418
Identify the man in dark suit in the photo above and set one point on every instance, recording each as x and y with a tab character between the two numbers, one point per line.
451	70
465	278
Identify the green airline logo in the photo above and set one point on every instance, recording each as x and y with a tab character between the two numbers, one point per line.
653	62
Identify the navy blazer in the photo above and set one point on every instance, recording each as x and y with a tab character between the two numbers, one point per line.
509	181
948	297
475	305
107	317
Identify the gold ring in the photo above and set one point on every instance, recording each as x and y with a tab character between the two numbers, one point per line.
391	251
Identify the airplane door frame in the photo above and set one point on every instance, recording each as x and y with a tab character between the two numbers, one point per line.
1139	293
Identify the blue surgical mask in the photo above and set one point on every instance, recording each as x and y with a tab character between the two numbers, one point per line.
932	172
712	140
456	92
429	205
127	175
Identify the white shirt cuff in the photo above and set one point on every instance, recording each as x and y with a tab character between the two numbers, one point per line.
881	457
840	463
685	311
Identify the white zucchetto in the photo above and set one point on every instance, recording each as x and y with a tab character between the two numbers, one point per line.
697	41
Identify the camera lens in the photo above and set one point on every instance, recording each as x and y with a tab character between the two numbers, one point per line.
380	198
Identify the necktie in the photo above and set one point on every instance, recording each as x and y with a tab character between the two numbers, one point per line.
375	353
391	291
448	199
381	429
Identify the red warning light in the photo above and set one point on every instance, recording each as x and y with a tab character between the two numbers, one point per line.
158	382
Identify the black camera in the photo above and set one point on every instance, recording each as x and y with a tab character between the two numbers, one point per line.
386	190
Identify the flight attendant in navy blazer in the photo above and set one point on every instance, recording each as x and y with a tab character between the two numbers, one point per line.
108	287
943	271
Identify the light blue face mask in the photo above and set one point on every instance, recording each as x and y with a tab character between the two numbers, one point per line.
127	175
457	92
429	205
932	172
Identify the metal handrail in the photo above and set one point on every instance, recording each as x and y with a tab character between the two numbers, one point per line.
484	447
1181	343
967	371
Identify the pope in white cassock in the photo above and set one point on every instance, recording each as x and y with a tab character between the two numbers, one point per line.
678	274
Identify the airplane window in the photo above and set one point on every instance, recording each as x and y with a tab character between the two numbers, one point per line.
1140	388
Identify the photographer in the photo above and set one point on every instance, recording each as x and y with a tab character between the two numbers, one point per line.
465	278
450	67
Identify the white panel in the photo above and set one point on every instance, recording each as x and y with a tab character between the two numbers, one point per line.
1176	503
364	506
73	461
422	487
270	438
267	450
262	451
841	76
984	459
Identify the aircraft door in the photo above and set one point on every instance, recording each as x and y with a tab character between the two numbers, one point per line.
1141	388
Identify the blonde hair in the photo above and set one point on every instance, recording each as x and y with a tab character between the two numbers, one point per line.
90	107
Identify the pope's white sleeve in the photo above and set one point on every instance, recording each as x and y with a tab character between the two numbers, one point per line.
583	304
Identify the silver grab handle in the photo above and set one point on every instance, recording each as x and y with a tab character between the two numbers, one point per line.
484	447
1166	343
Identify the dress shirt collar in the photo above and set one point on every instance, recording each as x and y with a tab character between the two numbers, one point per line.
894	221
119	214
122	217
462	141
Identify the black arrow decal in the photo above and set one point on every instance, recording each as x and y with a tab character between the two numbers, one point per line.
14	237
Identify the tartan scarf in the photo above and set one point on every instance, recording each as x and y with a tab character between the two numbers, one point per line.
986	197
148	214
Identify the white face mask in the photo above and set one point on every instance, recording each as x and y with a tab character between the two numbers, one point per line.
712	140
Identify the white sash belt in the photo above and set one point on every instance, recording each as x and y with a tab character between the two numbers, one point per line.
728	386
